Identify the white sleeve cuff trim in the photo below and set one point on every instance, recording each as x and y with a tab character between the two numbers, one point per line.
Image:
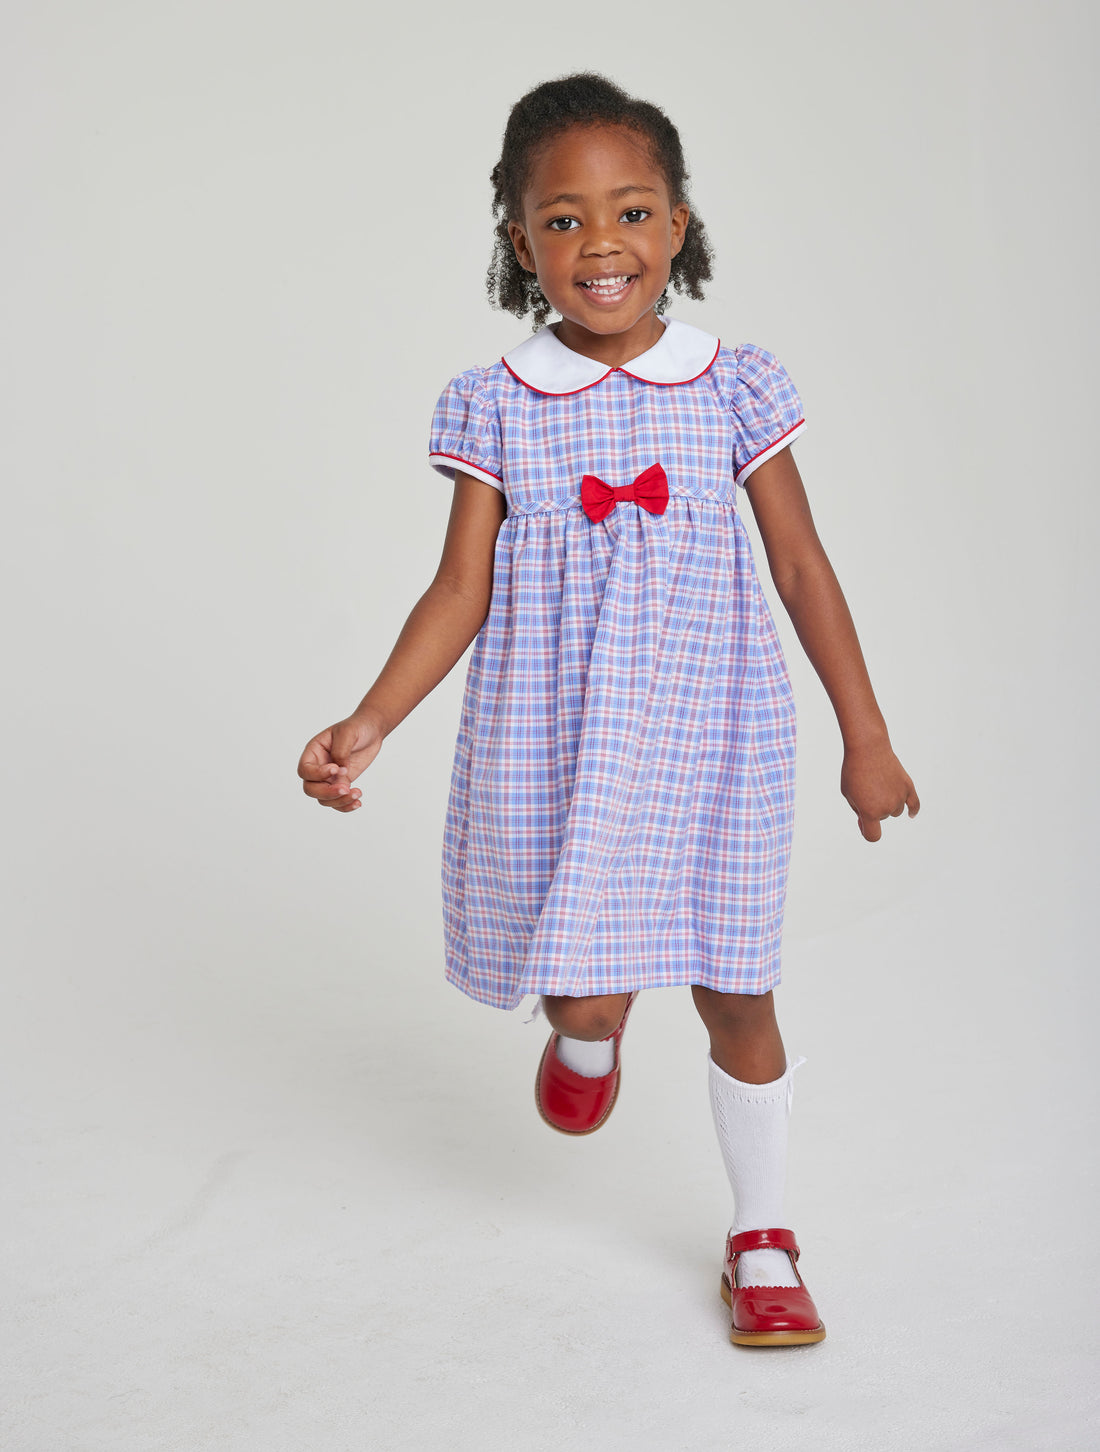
765	454
447	463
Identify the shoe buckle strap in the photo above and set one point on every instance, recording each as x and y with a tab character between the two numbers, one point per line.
762	1240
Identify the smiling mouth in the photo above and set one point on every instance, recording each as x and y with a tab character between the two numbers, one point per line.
608	289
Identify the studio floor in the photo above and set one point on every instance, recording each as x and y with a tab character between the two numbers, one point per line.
241	1215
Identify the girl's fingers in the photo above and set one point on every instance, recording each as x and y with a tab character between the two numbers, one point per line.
870	828
312	768
329	786
317	756
331	791
346	803
328	782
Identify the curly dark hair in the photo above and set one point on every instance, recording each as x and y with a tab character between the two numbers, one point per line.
584	99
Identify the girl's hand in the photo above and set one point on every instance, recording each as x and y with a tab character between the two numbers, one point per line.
875	785
335	757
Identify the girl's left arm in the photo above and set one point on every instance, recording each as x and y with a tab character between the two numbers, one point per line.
873	781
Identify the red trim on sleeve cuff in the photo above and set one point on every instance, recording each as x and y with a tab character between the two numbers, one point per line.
773	448
468	467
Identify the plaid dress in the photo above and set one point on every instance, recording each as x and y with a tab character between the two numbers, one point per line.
621	797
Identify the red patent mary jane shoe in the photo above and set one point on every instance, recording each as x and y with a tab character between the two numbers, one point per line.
768	1315
570	1102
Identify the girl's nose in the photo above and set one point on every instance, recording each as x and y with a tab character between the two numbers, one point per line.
604	245
604	237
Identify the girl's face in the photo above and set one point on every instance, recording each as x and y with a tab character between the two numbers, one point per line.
600	232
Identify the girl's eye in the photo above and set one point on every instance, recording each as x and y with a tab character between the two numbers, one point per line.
566	224
635	214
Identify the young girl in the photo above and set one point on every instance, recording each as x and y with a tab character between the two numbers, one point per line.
621	799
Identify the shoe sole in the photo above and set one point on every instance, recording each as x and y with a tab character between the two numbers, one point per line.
574	1132
771	1338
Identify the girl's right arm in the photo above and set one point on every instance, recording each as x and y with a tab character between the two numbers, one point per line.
439	629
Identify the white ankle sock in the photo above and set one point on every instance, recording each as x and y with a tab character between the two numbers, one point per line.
590	1060
751	1120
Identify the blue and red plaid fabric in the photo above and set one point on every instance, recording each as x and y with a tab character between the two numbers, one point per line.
622	790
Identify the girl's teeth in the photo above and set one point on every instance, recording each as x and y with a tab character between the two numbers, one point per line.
609	284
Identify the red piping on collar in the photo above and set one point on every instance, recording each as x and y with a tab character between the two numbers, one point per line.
657	383
545	392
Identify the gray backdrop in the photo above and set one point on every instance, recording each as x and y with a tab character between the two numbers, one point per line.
269	1182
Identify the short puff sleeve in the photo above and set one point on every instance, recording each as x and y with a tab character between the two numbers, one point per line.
766	409
465	431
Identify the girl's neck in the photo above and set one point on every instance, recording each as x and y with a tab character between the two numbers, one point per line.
612	349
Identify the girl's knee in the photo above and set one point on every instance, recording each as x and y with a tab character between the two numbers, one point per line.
585	1018
734	1011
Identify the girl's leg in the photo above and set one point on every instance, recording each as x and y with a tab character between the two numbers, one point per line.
744	1036
750	1089
584	1026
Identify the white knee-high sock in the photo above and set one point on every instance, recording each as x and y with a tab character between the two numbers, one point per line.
751	1120
592	1060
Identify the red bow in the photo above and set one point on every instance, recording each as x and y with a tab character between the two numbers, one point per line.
650	490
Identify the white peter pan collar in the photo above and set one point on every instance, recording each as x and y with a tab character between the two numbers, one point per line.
544	363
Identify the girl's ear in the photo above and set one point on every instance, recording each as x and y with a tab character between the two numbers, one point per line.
519	244
680	218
